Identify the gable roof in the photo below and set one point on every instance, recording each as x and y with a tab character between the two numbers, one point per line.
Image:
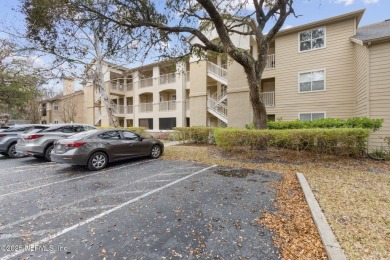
372	33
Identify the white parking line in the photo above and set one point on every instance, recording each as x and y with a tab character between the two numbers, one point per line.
27	234
66	230
75	178
30	166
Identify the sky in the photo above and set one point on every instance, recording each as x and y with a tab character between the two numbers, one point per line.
308	11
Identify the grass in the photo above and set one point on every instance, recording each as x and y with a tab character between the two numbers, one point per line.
353	193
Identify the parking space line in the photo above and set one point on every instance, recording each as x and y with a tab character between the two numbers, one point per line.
66	230
75	178
30	166
26	234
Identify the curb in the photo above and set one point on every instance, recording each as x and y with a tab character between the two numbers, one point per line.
329	240
173	143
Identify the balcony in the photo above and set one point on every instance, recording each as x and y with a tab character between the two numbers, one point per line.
217	72
144	83
129	109
118	109
145	107
270	61
129	86
167	78
268	98
167	106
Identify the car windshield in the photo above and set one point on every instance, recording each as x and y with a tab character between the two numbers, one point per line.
83	134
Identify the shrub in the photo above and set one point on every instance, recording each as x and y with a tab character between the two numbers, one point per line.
329	141
195	134
138	130
354	122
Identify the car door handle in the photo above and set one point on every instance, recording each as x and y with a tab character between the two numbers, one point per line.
130	144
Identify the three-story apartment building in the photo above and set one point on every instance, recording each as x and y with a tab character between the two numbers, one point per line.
326	69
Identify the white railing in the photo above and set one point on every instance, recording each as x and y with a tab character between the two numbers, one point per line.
270	61
145	107
129	109
217	107
219	97
216	70
167	106
98	116
144	83
120	109
167	78
113	107
98	96
129	86
268	98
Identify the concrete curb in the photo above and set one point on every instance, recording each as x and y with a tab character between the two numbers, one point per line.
329	240
173	143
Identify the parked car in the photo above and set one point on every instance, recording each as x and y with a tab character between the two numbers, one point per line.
96	148
9	137
39	143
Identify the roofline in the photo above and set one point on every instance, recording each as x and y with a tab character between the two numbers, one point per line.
356	14
371	41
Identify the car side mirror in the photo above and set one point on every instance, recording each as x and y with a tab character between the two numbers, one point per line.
140	138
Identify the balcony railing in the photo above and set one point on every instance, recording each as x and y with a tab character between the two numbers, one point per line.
118	109
145	107
168	105
268	98
144	83
217	70
129	86
270	61
167	78
129	109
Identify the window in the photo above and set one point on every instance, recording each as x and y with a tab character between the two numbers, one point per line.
173	98
312	81
311	116
55	106
55	122
312	39
112	135
129	136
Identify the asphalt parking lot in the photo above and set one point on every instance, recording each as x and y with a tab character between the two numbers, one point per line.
140	209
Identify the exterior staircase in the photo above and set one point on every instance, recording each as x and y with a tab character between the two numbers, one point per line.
217	72
217	105
98	117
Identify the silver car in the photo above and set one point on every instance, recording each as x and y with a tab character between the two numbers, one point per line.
9	137
96	148
40	143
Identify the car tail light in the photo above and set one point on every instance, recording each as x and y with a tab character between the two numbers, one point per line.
2	135
32	137
75	144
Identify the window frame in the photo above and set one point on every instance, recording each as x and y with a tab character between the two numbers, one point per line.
56	105
311	71
311	114
299	39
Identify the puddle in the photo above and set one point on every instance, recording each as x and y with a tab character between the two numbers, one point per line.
235	173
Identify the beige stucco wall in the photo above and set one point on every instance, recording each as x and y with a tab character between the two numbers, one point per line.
379	89
198	95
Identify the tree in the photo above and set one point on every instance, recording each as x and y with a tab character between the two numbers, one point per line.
176	18
68	109
80	39
20	84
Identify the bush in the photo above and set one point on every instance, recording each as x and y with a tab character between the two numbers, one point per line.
354	122
198	135
329	141
138	130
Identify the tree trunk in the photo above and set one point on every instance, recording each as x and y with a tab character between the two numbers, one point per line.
258	107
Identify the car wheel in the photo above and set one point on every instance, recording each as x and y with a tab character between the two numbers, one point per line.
48	153
155	152
12	152
97	161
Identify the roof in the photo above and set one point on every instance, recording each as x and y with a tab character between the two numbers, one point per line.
60	96
372	32
356	14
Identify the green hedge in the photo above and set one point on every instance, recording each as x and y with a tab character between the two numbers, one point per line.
195	134
354	122
350	141
138	130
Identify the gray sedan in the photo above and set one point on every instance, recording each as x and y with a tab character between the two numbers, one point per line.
96	148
